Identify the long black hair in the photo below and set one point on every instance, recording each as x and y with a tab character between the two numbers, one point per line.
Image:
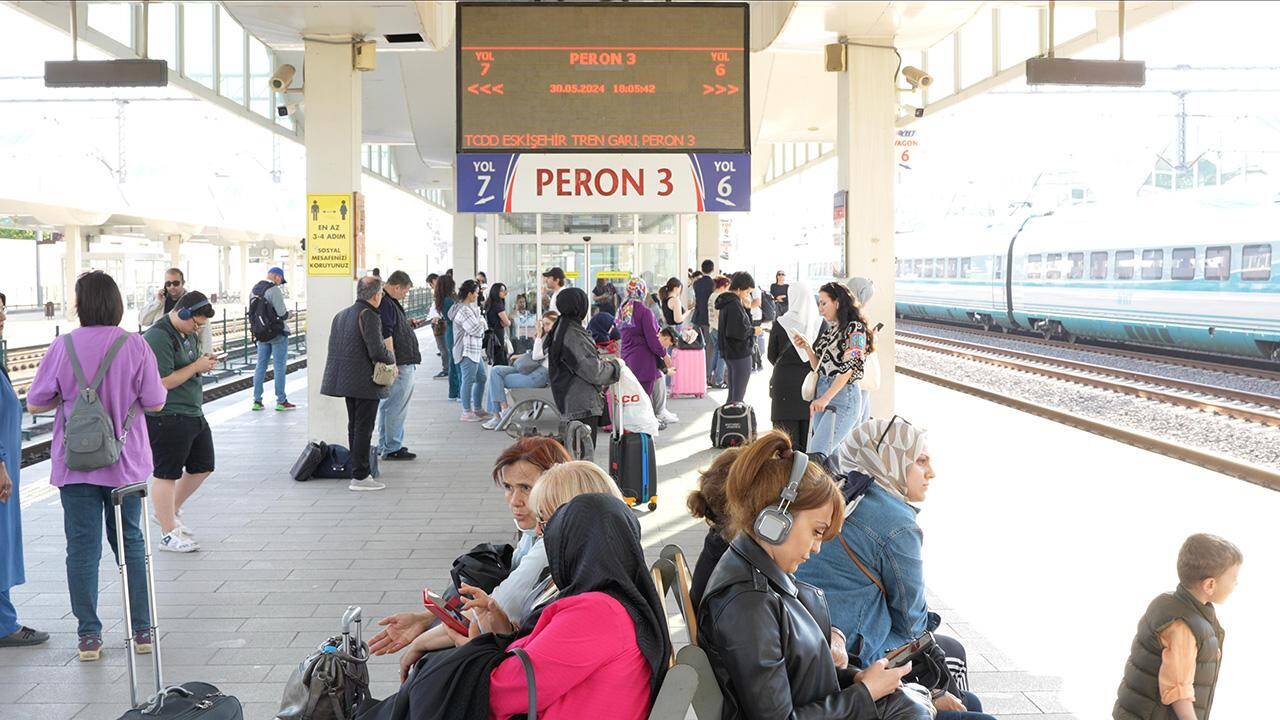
846	311
444	289
493	295
467	287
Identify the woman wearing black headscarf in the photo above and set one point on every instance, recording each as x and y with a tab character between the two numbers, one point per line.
578	374
601	649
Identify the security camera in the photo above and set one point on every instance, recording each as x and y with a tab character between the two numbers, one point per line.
281	78
287	110
916	77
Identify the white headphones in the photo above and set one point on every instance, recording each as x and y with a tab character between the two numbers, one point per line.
773	524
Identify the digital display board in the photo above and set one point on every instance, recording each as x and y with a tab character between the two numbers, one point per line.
603	77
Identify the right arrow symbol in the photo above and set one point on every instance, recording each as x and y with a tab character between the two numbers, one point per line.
733	89
707	89
720	89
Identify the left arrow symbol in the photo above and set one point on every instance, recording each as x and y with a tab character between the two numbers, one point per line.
472	89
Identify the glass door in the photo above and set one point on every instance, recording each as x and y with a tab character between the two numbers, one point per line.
614	263
568	254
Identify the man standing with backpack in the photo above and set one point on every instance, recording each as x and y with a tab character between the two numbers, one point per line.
181	441
267	315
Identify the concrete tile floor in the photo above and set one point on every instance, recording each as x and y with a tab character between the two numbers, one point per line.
281	560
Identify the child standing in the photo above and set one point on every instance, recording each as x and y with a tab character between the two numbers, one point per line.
1173	665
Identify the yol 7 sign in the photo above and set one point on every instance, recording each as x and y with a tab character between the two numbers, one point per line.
643	183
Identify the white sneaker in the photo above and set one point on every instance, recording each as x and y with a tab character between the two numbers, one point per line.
365	485
179	543
468	416
492	423
178	526
668	416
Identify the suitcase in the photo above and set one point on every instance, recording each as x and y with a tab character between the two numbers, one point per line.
189	701
733	425
305	466
691	373
632	462
335	463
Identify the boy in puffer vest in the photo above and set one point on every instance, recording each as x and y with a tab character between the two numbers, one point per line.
1173	665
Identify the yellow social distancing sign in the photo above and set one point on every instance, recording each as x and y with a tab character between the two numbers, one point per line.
330	241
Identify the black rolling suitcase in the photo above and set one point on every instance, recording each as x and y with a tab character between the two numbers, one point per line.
632	462
733	425
305	466
189	701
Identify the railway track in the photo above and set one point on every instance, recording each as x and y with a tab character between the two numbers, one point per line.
1195	363
1238	404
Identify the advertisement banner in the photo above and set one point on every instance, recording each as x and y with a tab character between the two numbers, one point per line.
585	183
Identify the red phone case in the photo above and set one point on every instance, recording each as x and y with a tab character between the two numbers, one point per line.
457	622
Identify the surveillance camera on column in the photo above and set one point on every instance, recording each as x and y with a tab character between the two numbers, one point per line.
281	78
916	77
290	109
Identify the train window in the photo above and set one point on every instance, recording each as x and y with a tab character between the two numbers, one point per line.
1053	266
919	263
928	268
953	267
999	267
1098	266
1255	262
966	265
1124	264
1217	263
1033	267
1077	266
1152	264
1184	264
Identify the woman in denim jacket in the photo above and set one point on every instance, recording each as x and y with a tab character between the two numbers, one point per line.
874	581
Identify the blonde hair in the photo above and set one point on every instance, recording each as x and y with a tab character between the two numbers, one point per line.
566	481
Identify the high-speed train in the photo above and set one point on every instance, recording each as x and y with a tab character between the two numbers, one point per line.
1194	273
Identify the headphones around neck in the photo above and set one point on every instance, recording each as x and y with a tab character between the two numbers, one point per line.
773	524
186	313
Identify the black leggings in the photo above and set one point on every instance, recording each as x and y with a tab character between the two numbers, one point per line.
797	429
739	374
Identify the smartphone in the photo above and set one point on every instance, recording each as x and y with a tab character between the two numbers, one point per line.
449	615
900	656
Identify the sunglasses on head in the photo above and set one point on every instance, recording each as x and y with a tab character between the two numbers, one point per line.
892	420
172	283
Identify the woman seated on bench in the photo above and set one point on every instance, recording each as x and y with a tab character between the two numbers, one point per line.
525	371
765	633
874	577
516	471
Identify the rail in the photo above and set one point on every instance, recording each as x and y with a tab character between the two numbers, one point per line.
1253	407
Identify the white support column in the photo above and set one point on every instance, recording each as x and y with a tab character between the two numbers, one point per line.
246	283
333	137
173	248
866	111
708	245
224	271
464	247
72	263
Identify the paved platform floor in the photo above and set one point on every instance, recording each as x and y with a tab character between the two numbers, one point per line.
281	560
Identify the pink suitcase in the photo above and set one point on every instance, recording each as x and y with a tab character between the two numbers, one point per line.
691	373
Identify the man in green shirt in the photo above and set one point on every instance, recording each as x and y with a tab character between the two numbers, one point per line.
181	442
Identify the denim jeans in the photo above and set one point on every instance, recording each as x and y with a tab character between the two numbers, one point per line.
828	429
472	387
84	510
715	360
502	377
865	415
276	350
8	615
393	409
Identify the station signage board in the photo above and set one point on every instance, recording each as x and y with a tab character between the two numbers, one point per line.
330	239
603	77
583	183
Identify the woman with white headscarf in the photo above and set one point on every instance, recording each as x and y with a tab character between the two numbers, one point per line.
874	580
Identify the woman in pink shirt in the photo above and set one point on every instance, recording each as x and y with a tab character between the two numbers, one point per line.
130	386
601	649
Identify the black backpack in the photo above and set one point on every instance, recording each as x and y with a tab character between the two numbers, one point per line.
768	310
264	323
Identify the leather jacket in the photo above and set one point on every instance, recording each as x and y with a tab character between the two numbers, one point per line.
768	639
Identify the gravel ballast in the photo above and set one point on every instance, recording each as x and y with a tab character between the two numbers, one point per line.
1245	441
1083	354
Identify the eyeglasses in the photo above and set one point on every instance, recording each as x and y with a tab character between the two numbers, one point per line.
892	420
173	283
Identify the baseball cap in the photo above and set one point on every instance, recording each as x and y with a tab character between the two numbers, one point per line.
556	273
277	271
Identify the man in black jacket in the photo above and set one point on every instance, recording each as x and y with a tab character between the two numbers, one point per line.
355	344
398	332
703	286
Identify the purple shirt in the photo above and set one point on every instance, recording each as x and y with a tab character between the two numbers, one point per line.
131	381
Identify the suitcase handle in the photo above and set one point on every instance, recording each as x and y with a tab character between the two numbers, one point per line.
119	494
